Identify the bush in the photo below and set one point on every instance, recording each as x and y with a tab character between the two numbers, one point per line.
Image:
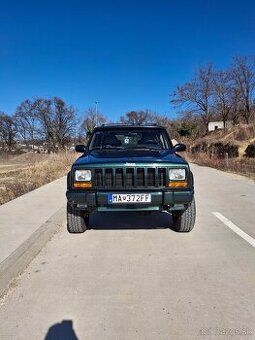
216	149
201	147
250	151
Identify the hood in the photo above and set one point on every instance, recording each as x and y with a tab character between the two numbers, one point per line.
126	156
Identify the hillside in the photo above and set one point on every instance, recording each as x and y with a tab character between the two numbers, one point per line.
231	150
238	137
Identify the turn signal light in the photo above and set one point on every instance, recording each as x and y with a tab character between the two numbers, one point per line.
82	185
178	184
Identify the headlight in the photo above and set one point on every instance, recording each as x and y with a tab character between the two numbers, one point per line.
82	175
177	174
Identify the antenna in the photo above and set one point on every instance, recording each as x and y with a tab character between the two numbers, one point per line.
96	112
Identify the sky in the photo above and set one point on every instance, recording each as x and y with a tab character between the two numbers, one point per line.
125	54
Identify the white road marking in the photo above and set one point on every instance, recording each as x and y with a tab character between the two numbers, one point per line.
235	229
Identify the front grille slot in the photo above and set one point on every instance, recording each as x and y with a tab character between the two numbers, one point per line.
98	179
129	178
140	177
119	178
162	176
151	178
108	178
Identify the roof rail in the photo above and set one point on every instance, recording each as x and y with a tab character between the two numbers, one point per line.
109	124
129	124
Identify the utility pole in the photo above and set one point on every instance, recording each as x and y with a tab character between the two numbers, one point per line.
96	113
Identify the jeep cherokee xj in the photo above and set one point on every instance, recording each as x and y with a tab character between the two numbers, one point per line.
130	168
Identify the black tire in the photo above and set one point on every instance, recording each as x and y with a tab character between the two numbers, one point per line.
185	221
77	221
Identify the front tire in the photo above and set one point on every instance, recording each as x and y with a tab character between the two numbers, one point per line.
77	221
185	221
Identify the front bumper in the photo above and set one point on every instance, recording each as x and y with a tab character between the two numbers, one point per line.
160	200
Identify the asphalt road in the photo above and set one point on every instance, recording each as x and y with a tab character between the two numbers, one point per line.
124	279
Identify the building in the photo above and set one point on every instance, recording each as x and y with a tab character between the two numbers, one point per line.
219	125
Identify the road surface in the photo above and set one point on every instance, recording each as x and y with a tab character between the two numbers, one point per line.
124	279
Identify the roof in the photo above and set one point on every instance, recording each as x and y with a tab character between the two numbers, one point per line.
127	126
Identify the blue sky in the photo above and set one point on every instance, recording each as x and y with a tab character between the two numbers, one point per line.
126	54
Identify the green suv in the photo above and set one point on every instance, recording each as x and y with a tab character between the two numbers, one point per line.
130	168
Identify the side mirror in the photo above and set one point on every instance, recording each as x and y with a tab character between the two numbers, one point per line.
179	148
80	148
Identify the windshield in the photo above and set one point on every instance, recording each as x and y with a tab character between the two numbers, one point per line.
151	139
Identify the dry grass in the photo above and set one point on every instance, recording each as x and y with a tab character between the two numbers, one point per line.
212	149
21	174
244	166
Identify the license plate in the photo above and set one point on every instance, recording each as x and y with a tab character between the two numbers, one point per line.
129	198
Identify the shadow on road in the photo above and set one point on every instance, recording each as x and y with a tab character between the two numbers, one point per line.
130	220
63	330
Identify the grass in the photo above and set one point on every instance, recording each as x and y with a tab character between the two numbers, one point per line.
211	149
23	173
241	166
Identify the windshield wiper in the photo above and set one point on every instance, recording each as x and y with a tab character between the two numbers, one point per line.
126	148
109	147
145	148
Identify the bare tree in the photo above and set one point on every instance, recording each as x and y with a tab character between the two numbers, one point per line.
137	117
235	113
196	96
166	122
243	74
224	95
7	132
45	117
58	122
91	120
26	122
161	120
64	122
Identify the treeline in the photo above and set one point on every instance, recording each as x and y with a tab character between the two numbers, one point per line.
49	123
52	125
225	95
